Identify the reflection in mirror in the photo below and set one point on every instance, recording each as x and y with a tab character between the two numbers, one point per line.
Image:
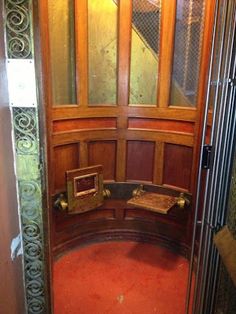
146	17
62	51
187	52
102	51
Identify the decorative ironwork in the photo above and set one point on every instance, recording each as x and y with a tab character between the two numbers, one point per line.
27	155
25	130
18	29
29	182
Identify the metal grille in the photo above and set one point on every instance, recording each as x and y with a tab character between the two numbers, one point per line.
18	33
25	130
188	43
146	21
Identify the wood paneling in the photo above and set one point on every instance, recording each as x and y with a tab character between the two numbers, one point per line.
103	153
140	160
86	123
64	220
161	125
66	157
177	166
153	144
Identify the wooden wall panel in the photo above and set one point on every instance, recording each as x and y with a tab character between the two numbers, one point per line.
66	157
161	125
177	166
103	153
81	124
140	160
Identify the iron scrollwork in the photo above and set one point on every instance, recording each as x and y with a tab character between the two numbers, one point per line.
25	126
18	29
19	38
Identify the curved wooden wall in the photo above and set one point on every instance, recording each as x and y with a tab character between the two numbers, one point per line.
150	144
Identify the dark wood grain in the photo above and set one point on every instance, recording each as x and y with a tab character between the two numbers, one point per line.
177	166
66	157
140	159
103	153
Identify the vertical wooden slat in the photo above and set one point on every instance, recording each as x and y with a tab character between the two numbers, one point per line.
125	16
168	18
121	160
158	163
124	33
83	154
81	31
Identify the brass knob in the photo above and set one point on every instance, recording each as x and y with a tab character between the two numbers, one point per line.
182	201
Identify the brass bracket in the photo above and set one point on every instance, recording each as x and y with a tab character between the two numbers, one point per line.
106	193
138	191
61	203
182	201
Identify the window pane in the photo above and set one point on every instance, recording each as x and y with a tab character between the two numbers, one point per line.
144	51
62	51
187	52
102	51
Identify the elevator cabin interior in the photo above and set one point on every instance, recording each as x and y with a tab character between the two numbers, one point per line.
125	88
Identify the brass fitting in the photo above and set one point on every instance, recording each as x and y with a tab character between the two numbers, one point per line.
182	201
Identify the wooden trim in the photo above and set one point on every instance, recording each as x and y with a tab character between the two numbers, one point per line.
158	163
176	188
125	24
121	160
144	135
81	38
167	137
179	114
83	154
168	19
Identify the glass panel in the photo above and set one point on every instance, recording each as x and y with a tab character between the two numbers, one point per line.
144	51
187	52
62	51
102	51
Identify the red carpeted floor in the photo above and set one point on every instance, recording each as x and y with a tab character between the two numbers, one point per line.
120	278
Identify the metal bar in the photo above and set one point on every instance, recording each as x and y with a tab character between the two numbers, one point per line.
216	184
221	219
189	285
224	115
196	290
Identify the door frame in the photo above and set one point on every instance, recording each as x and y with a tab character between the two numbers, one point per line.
35	228
218	174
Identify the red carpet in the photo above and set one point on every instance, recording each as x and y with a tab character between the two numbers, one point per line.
120	278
